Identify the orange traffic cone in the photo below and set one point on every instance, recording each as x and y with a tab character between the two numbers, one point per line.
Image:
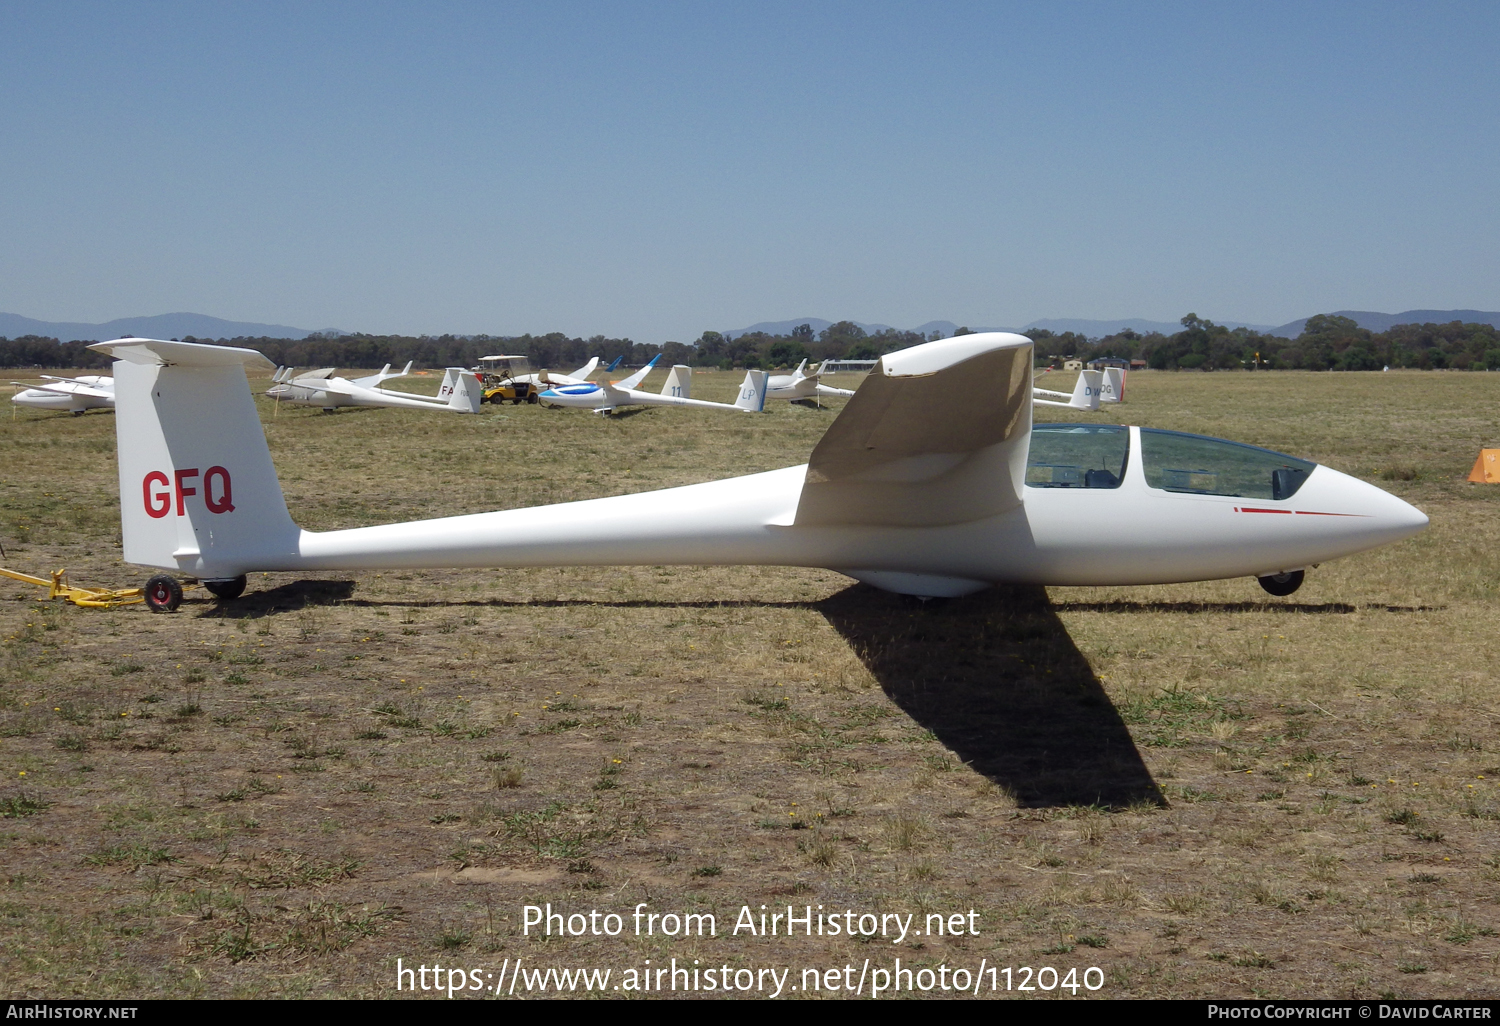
1486	468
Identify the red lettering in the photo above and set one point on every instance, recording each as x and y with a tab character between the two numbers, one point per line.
158	504
225	501
183	475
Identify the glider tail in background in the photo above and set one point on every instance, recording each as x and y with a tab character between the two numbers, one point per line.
462	390
679	384
197	485
753	392
1085	395
1086	390
1113	388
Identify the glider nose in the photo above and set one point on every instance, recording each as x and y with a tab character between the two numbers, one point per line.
1409	519
1394	518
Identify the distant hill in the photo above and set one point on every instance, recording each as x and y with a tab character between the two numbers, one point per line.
785	327
172	325
1379	322
1098	329
1056	325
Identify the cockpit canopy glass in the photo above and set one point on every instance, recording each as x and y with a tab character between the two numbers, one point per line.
1077	456
1179	462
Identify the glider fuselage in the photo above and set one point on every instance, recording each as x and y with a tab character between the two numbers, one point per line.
1131	534
932	481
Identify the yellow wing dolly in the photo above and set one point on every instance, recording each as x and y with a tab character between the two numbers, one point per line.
93	598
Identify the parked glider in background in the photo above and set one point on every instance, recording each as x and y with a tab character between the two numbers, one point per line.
798	385
513	378
68	395
460	391
931	482
676	391
1108	385
1086	393
580	376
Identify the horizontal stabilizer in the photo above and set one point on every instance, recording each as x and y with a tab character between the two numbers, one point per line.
151	351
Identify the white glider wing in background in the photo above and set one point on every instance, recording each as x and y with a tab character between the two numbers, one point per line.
374	380
68	395
931	482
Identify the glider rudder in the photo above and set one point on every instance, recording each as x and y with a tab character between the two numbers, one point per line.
753	392
679	383
198	490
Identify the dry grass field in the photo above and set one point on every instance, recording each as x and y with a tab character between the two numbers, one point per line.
1198	789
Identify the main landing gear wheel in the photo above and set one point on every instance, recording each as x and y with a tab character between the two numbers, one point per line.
163	594
1282	584
232	588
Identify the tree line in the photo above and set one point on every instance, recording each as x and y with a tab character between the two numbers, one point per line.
1326	343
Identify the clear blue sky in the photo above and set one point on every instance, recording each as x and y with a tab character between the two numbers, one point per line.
653	170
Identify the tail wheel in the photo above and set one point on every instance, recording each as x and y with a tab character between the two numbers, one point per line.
1282	584
232	588
163	594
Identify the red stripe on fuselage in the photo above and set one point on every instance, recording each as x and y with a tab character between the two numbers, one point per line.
1298	512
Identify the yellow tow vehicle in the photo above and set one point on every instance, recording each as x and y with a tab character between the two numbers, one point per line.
507	379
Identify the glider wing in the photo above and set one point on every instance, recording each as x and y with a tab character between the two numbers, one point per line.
937	434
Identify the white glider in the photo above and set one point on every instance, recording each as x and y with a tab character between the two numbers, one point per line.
798	385
459	393
501	367
1092	388
68	395
676	391
930	482
1086	395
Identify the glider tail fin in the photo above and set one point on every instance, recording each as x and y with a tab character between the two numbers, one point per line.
1113	389
462	390
198	489
753	392
1086	391
679	383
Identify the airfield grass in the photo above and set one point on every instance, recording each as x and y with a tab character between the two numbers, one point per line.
1199	789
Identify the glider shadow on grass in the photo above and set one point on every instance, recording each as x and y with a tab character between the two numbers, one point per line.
997	679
